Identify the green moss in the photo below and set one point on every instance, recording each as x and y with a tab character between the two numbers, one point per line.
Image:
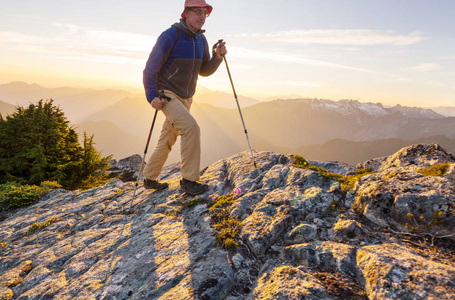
302	163
436	170
347	182
193	202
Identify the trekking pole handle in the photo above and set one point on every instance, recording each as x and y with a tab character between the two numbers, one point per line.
214	47
163	96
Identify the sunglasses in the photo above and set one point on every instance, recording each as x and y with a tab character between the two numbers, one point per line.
200	12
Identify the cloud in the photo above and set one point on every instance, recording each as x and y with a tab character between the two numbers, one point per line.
425	67
356	37
77	42
434	83
292	58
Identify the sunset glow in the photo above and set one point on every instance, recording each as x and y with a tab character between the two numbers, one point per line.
378	51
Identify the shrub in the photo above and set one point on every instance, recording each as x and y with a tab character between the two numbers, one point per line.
37	144
13	195
50	184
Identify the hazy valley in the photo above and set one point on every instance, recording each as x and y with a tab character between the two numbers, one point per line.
347	130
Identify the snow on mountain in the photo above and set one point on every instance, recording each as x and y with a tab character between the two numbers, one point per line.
352	107
349	107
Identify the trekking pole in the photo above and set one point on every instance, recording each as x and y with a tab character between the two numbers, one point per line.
139	176
236	99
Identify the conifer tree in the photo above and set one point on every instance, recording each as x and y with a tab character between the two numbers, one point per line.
37	144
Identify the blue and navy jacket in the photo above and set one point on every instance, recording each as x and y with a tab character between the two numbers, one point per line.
176	60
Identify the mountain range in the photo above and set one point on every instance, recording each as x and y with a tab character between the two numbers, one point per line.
349	131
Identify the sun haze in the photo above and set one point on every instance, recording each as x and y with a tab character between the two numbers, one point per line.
390	51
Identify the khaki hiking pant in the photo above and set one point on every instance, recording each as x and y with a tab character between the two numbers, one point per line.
178	121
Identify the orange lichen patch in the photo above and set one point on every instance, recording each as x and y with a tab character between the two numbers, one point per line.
16	275
6	294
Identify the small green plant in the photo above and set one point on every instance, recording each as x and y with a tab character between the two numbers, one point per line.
230	244
414	226
436	170
36	226
226	227
13	195
337	206
221	202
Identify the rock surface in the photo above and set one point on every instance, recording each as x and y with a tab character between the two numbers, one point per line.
302	236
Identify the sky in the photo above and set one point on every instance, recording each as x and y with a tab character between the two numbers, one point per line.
388	51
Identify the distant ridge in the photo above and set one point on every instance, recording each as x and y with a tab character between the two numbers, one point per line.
75	102
355	152
448	111
320	129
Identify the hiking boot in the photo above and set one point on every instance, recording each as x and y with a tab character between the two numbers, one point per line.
154	184
192	187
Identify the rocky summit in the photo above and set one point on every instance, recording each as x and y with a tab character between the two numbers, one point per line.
290	229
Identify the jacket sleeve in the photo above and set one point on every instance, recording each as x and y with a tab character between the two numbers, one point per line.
155	61
209	65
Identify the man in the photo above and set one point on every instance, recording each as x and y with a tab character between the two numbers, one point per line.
180	54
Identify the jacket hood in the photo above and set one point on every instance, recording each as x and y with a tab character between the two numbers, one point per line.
182	26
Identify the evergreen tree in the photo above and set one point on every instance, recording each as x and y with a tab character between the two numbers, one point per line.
37	144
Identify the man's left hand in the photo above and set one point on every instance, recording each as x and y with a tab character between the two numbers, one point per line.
221	50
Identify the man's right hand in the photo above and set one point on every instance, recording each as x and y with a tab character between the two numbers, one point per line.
157	103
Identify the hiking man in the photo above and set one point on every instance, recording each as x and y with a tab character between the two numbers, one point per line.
180	54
